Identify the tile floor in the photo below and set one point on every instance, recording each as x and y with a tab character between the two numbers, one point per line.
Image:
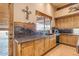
63	50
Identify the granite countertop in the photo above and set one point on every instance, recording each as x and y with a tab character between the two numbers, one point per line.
31	38
71	34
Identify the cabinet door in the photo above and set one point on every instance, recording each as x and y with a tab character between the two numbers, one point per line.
75	41
63	39
52	43
39	50
76	21
28	51
57	23
62	23
60	38
72	40
69	40
47	44
39	47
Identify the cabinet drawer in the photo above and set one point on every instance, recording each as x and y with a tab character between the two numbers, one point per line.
26	44
39	41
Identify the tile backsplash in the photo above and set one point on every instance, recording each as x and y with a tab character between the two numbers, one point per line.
24	29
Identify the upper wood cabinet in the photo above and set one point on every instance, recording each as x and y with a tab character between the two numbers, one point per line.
68	22
66	11
76	21
67	19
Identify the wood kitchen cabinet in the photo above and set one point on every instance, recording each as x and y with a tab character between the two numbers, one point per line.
52	42
24	49
28	49
47	44
72	40
35	47
76	21
68	22
63	39
69	39
39	47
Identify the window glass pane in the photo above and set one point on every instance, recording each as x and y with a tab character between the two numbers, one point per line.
76	31
3	43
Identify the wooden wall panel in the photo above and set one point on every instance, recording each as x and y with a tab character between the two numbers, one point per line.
6	22
4	16
11	29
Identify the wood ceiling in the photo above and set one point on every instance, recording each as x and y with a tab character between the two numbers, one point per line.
58	6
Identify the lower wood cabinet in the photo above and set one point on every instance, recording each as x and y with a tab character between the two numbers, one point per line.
52	43
63	39
47	44
24	49
72	40
34	48
39	47
68	39
27	49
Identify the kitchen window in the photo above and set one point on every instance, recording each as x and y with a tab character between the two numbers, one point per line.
3	43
